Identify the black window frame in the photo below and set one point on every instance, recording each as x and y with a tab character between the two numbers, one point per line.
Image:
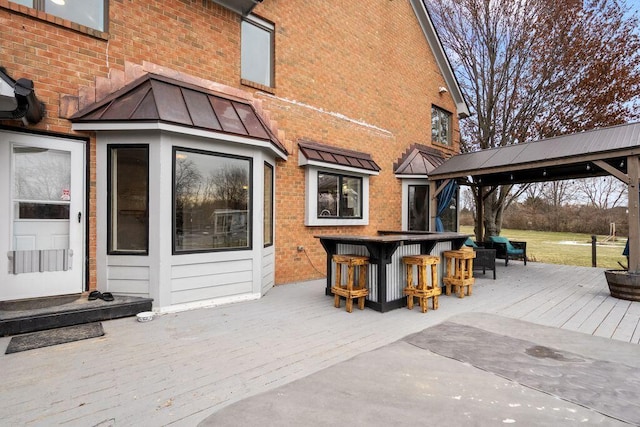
441	113
110	250
268	166
250	206
427	206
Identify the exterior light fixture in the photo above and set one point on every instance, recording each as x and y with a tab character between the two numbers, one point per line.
58	2
588	167
544	172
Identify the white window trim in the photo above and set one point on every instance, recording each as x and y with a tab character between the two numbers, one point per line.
311	197
406	182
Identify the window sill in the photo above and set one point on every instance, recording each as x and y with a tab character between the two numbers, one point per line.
55	20
335	222
258	86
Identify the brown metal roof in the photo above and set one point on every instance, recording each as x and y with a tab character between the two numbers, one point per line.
418	160
562	157
324	153
154	98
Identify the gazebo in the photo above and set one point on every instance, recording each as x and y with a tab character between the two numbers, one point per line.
612	151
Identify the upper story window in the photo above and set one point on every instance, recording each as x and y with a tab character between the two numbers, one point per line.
90	13
257	51
440	126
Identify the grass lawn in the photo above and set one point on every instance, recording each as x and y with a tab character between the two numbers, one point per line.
566	248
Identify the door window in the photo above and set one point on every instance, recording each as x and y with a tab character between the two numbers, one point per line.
41	198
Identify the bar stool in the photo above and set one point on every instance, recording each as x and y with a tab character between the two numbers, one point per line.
350	290
422	291
459	274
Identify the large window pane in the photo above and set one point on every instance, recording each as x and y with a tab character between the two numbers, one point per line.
89	13
257	52
339	196
419	207
128	199
211	201
268	204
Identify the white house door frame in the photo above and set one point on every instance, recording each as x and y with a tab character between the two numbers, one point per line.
42	216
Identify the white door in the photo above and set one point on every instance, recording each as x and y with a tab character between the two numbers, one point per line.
42	218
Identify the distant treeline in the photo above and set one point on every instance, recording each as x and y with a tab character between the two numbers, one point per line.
569	218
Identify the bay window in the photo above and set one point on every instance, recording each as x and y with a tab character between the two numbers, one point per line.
211	201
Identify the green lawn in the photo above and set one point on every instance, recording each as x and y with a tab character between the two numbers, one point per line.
566	248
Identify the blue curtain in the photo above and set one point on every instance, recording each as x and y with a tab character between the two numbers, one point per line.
444	200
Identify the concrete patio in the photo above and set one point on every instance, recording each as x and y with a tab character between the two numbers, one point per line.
181	368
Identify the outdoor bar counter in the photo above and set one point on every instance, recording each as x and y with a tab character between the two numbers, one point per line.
385	251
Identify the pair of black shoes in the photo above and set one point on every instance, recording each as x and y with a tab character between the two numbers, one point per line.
105	296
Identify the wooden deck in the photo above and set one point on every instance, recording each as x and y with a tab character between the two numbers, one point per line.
181	367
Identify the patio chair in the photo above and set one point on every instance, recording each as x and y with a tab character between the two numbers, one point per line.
485	257
507	249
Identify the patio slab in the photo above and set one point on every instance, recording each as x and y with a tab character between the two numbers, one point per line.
458	374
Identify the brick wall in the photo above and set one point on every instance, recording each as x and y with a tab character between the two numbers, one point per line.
358	75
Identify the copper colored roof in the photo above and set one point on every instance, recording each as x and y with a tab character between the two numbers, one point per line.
154	98
418	160
324	153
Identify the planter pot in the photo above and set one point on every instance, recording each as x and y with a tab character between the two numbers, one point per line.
623	285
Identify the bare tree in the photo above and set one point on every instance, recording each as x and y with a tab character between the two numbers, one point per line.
535	68
603	193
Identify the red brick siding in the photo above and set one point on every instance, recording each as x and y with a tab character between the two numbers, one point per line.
335	60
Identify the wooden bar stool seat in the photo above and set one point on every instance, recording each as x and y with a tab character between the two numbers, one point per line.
459	272
422	290
351	290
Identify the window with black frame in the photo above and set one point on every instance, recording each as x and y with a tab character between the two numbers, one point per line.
418	208
128	200
339	196
90	13
268	205
440	126
212	201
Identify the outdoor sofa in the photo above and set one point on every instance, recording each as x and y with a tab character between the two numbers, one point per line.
507	249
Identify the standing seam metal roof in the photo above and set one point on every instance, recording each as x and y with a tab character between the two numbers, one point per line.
564	150
339	156
157	98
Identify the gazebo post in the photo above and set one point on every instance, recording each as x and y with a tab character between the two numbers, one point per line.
633	170
480	213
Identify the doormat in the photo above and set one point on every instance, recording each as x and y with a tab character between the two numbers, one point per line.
54	336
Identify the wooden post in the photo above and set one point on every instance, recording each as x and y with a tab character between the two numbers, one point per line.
480	213
633	170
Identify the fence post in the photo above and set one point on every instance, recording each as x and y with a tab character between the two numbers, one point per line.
593	250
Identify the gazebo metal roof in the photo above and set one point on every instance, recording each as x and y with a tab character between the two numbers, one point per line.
592	153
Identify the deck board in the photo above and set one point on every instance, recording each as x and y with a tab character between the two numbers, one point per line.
181	367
